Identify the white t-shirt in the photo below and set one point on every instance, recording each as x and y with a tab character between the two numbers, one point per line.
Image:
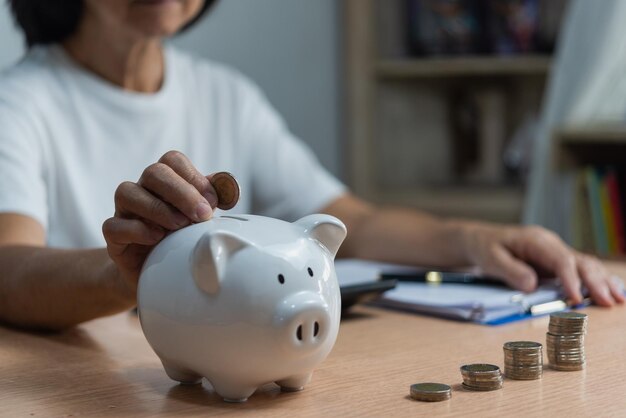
68	138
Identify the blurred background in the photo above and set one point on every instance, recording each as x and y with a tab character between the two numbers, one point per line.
503	110
288	47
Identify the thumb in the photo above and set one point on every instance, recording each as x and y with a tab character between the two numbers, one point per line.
513	272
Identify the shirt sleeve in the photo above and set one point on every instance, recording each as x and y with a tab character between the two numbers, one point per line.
22	185
288	182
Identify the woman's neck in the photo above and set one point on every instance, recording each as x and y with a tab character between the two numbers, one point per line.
134	64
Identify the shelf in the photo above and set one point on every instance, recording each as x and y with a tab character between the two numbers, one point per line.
497	203
465	66
592	135
591	145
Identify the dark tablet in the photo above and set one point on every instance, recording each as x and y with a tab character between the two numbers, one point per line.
361	293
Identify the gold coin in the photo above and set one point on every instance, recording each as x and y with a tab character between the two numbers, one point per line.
480	368
482	389
522	345
430	392
226	188
576	316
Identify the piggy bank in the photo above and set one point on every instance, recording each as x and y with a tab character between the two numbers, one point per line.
243	301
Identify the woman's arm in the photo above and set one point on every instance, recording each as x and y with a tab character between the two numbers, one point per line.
53	289
513	253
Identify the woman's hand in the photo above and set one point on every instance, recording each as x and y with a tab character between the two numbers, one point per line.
170	195
517	253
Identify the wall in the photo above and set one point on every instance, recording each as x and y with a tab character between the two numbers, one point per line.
288	47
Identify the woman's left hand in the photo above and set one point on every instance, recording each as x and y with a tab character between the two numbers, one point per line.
515	254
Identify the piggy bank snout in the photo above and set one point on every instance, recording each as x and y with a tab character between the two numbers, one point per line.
305	320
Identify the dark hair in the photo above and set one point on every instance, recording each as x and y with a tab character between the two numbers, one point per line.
51	21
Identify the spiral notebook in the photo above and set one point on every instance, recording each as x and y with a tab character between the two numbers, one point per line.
469	302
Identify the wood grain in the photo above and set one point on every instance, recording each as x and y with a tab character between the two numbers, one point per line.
106	368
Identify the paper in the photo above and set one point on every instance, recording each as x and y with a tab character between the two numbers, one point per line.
478	303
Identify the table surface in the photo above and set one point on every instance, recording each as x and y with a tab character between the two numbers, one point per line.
106	368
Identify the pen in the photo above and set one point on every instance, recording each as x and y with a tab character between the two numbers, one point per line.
437	277
556	306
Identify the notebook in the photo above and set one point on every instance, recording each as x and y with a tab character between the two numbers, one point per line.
470	302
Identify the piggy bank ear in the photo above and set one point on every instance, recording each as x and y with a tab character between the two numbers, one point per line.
210	258
328	230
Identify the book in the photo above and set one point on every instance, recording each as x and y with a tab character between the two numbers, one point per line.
582	229
597	218
469	27
607	214
612	184
484	304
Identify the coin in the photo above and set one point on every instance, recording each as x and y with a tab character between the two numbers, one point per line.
523	360
430	392
226	188
479	368
481	389
569	316
522	345
481	376
565	341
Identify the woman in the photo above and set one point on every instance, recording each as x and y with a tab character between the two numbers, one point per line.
87	120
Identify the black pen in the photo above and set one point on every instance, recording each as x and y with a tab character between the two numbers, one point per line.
438	277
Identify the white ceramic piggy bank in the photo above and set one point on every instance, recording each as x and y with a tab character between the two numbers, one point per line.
243	301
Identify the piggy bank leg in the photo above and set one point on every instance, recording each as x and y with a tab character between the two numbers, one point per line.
294	383
183	376
231	391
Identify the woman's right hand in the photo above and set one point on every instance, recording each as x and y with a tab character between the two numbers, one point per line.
169	195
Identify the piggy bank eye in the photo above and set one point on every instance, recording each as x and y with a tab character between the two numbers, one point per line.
310	271
281	279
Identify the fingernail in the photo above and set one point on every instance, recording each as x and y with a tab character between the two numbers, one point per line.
203	211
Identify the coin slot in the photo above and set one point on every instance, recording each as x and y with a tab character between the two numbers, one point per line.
316	329
237	218
299	333
310	271
281	279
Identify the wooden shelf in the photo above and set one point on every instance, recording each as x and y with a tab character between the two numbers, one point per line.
594	134
497	203
464	66
591	145
403	118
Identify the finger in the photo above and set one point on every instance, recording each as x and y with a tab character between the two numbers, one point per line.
133	200
567	272
119	233
596	279
545	249
183	166
162	181
617	289
514	272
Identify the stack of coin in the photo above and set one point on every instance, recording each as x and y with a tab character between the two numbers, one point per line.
565	340
430	392
481	377
523	360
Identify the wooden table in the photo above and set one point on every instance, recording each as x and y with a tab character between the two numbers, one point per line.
106	368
